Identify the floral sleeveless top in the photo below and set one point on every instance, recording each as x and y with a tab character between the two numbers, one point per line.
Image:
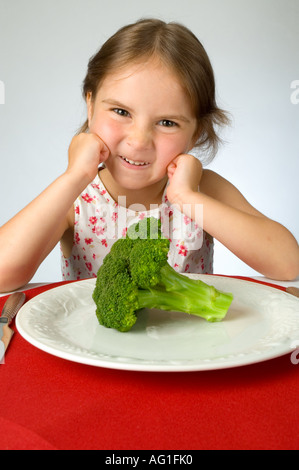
100	221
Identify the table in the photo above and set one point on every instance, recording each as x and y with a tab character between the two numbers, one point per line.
49	403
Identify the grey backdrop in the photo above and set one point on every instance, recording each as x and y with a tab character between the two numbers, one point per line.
254	48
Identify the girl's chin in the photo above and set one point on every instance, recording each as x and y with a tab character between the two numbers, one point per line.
130	184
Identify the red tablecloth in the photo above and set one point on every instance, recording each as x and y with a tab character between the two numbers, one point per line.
51	403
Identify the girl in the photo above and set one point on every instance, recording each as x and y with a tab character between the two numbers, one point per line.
150	97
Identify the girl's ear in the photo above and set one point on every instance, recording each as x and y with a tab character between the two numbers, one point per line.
89	102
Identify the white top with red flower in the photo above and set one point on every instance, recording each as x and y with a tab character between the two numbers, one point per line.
100	221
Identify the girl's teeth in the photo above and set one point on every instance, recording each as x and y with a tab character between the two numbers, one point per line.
134	163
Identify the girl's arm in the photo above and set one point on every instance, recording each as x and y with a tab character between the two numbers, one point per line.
30	236
260	242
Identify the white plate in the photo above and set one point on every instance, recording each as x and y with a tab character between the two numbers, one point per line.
262	323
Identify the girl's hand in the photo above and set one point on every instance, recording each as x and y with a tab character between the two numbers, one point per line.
184	174
86	152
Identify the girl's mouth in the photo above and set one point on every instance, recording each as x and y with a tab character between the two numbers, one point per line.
133	163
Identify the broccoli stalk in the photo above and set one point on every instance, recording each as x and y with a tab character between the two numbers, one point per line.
136	275
182	294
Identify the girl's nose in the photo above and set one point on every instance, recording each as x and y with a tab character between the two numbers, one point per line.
139	138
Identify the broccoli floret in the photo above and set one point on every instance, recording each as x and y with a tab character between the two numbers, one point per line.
136	275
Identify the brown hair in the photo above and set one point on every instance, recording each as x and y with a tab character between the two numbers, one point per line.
180	50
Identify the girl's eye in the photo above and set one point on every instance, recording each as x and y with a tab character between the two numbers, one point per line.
167	123
121	112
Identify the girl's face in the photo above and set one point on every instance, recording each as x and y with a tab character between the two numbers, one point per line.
144	116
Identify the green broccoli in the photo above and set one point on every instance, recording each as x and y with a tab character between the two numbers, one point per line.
136	275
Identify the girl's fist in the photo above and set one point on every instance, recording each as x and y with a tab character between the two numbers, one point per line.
184	174
86	152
